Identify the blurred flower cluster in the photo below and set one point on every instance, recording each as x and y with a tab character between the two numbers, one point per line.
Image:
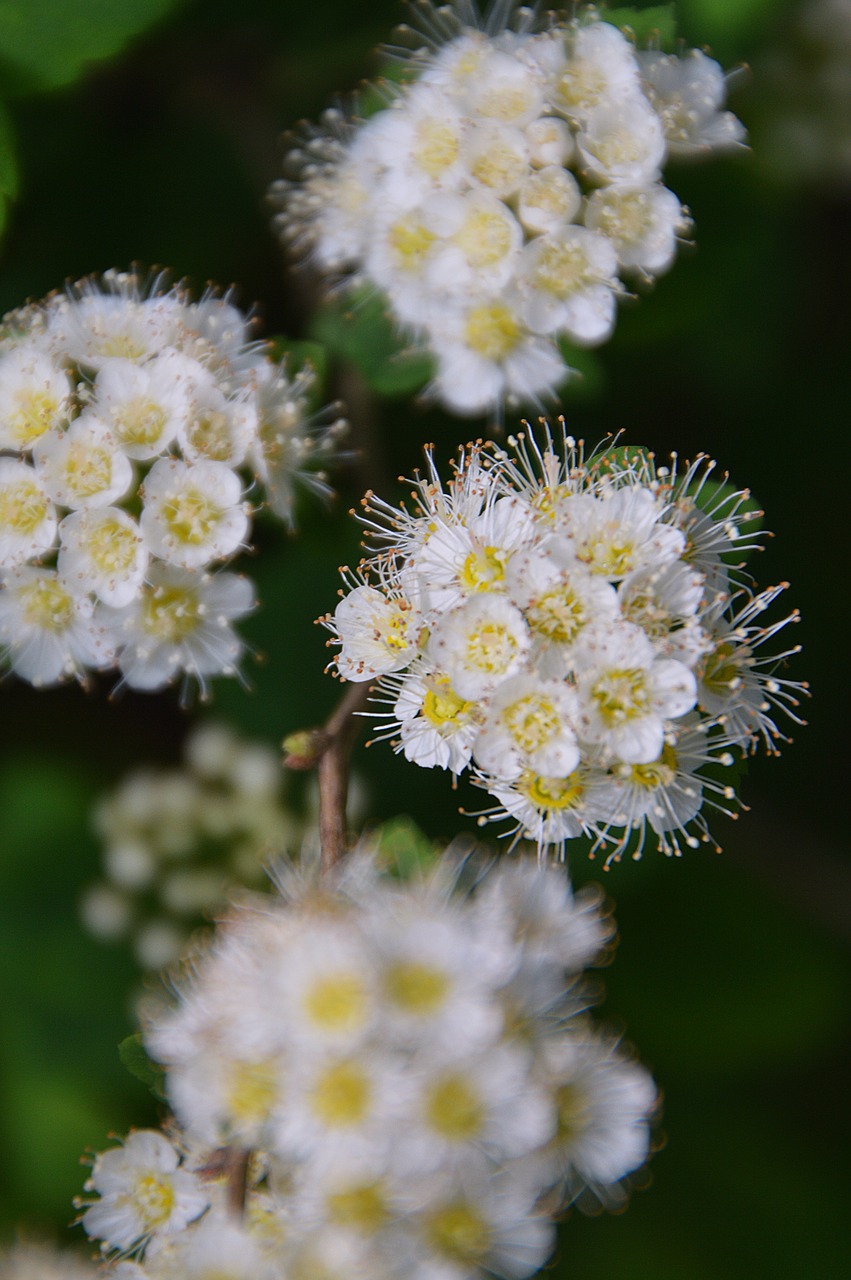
131	414
42	1262
502	196
179	843
379	1079
578	632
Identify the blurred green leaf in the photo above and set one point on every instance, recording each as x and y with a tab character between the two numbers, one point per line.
9	175
587	380
658	23
359	329
133	1056
48	43
404	847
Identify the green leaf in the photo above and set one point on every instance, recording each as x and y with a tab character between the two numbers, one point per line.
404	848
658	23
133	1056
587	378
359	329
9	177
48	43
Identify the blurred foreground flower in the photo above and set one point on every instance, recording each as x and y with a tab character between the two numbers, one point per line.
577	632
178	843
380	1080
41	1262
502	196
133	414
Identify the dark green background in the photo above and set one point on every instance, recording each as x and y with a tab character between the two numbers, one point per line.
731	976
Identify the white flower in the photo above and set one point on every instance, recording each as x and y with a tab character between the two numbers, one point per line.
83	467
688	92
27	516
142	1192
479	643
144	405
569	279
48	631
180	622
377	634
35	396
547	199
528	724
626	693
436	727
622	142
103	551
193	513
597	67
642	222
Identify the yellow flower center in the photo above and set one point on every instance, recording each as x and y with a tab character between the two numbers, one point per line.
532	721
252	1091
190	516
491	648
492	331
154	1200
441	705
410	241
436	147
171	613
342	1095
553	793
23	507
47	604
139	422
88	469
499	167
362	1207
209	435
453	1108
416	988
557	614
484	238
483	568
112	546
610	554
621	695
336	1002
33	414
563	269
459	1233
659	773
721	673
570	1112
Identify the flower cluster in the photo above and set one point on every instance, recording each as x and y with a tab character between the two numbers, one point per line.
128	417
178	843
572	631
412	1072
507	190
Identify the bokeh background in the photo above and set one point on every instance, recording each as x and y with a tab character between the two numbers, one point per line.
149	130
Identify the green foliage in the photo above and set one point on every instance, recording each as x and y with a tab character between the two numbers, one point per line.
656	25
48	43
587	379
9	176
132	1055
358	329
404	848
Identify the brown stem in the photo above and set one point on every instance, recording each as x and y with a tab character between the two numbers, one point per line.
339	732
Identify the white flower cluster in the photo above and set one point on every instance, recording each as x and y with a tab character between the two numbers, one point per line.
569	630
128	416
42	1262
397	1080
178	843
505	192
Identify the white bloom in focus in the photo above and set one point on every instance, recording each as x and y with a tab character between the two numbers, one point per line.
104	552
529	724
479	643
436	727
377	634
27	517
142	1192
626	693
193	513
